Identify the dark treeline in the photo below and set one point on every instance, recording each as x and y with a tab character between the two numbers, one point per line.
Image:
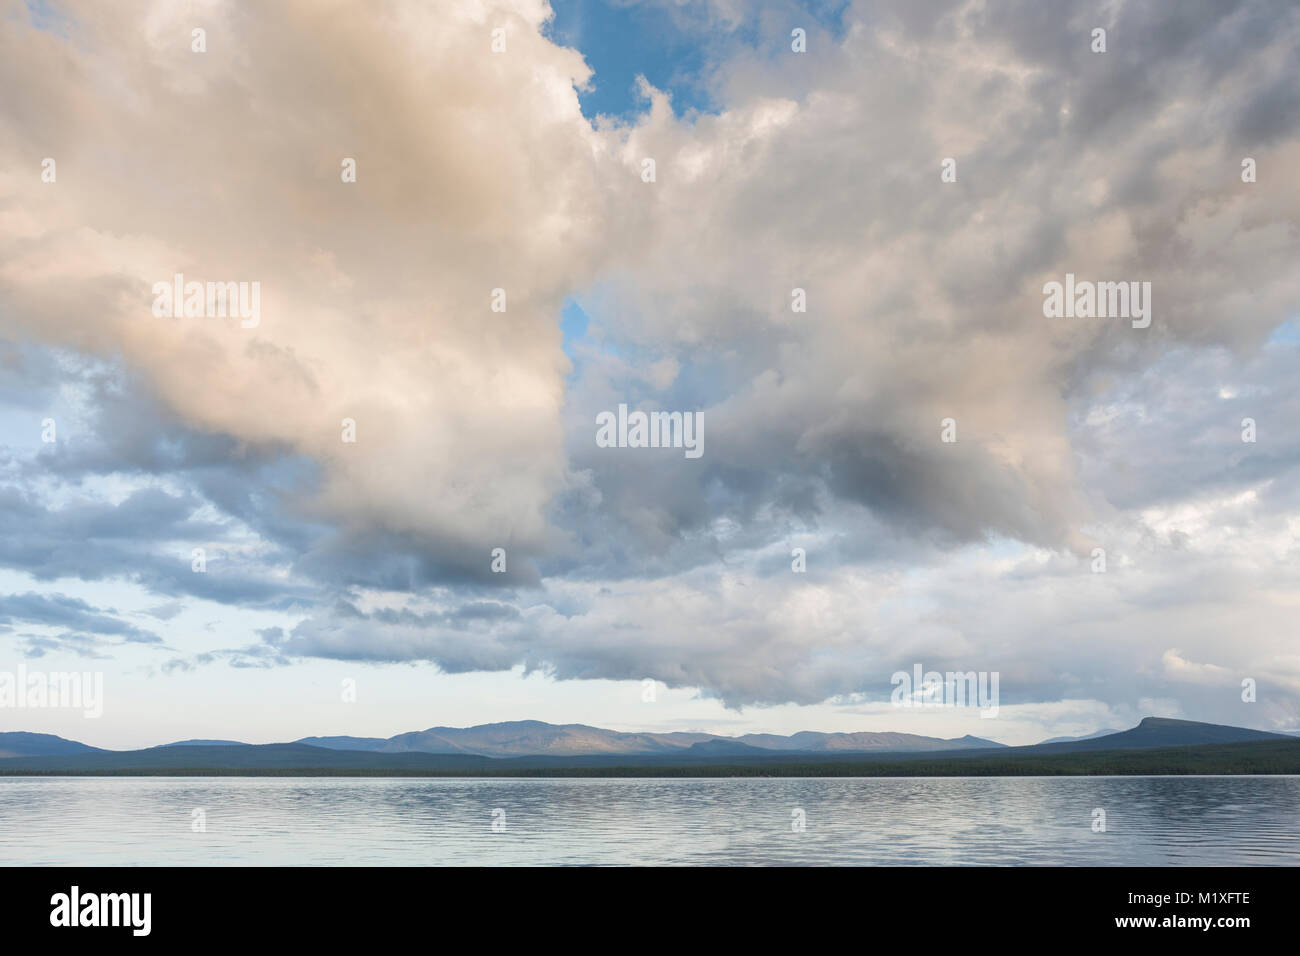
1263	757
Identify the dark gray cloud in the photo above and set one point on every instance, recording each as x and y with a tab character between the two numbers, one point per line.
58	610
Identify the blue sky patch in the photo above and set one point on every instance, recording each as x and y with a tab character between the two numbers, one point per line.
621	43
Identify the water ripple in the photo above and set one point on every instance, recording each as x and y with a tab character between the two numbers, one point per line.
936	821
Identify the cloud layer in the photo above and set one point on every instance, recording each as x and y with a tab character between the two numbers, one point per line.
477	171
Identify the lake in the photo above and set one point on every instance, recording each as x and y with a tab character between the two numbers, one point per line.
114	821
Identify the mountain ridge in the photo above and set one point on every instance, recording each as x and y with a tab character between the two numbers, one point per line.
20	743
1155	732
519	738
1271	756
532	738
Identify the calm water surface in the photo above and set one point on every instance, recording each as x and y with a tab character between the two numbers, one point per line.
988	821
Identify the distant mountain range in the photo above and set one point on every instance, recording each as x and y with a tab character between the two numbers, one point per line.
1163	732
20	744
206	743
525	738
1155	745
1070	740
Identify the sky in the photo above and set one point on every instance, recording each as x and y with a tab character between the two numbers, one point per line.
502	269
